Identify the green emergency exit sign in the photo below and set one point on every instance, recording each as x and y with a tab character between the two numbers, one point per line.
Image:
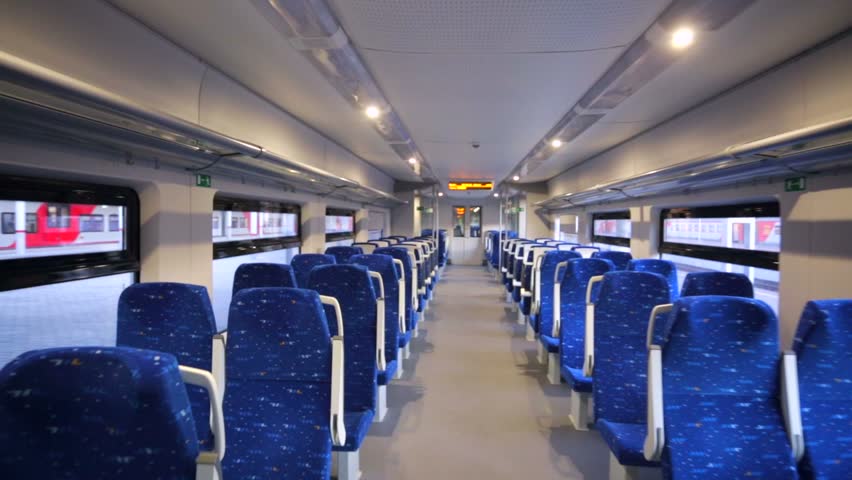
202	180
797	184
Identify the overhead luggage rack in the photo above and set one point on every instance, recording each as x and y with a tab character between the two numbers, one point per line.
39	103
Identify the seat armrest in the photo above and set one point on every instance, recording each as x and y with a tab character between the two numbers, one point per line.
207	467
657	310
790	404
589	342
516	284
380	323
217	364
326	300
655	435
557	299
205	380
525	293
401	296
337	427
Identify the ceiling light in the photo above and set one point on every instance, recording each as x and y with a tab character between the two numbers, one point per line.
516	178
556	143
412	160
683	37
372	112
440	194
496	195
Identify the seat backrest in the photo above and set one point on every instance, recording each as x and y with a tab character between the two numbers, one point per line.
585	250
352	287
622	311
621	260
253	275
717	283
722	417
303	263
342	253
661	267
823	346
381	243
95	412
550	259
366	247
279	384
175	318
384	266
572	306
401	254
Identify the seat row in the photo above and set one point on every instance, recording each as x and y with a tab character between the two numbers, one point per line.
299	372
689	379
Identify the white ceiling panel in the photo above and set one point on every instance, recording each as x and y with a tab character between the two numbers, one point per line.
233	37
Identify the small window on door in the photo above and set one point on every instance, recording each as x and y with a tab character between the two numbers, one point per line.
458	221
475	221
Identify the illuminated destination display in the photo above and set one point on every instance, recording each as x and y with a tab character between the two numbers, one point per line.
471	186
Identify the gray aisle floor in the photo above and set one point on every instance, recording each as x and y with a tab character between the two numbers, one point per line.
474	403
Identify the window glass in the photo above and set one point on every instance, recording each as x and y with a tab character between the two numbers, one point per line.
339	224
50	229
458	221
229	226
340	243
475	221
611	229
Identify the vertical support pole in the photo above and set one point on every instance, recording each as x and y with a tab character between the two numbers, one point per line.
20	228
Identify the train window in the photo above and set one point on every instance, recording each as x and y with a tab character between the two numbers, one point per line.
339	227
567	228
734	238
458	221
92	223
475	216
611	230
114	222
248	231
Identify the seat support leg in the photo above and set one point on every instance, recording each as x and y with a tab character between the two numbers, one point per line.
541	353
579	414
381	404
554	374
618	471
417	329
530	332
508	297
348	465
522	319
407	352
400	354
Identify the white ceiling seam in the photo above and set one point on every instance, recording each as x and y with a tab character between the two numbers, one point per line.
321	39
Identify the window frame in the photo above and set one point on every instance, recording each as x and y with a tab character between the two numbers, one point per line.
338	236
237	248
616	215
739	256
19	273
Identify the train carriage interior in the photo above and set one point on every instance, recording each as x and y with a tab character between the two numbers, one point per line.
425	239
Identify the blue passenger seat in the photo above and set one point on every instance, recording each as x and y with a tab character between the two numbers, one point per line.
253	275
278	404
352	287
402	255
97	413
621	260
342	254
619	373
720	381
303	263
175	318
717	283
661	267
823	346
543	308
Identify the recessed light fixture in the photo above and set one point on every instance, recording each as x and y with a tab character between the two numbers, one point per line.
496	195
372	112
412	160
440	194
516	178
556	143
683	37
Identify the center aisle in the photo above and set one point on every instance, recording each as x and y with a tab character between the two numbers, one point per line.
474	403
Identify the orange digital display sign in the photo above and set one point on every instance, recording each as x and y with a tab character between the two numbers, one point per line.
462	186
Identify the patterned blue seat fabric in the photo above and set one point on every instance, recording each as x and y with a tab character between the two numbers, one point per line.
823	346
722	414
621	260
95	413
176	318
526	282
621	365
401	254
717	283
383	264
572	309
544	320
661	267
277	405
342	254
252	275
353	289
303	263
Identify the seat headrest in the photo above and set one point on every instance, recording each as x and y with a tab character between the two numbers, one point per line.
253	275
823	341
278	334
304	262
343	253
717	283
661	267
88	412
621	260
353	288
